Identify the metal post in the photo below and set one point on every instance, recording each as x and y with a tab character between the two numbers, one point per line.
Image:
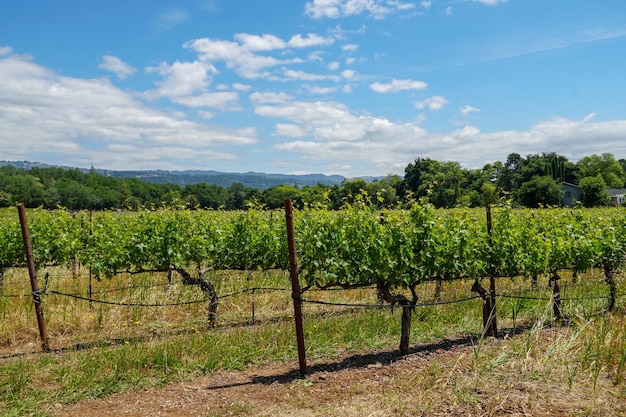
28	249
492	327
295	285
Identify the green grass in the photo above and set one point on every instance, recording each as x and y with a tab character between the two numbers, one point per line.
171	347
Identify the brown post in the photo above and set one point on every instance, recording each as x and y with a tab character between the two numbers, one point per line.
43	333
295	285
556	296
492	327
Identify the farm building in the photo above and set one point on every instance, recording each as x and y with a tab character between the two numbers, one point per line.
571	194
617	196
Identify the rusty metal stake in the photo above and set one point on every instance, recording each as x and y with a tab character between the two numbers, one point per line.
492	326
295	285
28	248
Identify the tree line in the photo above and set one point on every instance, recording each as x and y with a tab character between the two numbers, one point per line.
531	181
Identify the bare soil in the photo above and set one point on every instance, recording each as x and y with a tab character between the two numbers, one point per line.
439	379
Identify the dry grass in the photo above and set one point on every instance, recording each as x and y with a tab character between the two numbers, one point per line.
535	368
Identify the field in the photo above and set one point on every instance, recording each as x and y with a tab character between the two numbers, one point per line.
132	360
129	303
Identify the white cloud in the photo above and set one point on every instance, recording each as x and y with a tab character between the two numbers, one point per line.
223	100
72	120
207	115
120	68
265	98
182	78
426	4
433	103
241	87
5	50
259	43
467	109
290	130
320	90
311	39
333	66
448	10
349	48
258	56
305	76
329	132
334	9
401	6
348	74
490	2
398	85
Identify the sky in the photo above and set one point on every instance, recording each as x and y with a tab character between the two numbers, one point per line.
347	87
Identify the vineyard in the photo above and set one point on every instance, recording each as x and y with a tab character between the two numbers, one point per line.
222	269
355	246
359	246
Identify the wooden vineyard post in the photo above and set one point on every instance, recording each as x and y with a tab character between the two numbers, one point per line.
556	297
491	327
295	285
28	249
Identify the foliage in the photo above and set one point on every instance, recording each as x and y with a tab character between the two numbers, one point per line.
359	245
594	192
540	191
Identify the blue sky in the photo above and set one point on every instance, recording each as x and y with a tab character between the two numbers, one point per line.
349	87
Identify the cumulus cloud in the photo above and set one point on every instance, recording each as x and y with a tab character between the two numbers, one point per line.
398	85
182	78
222	100
467	109
5	50
120	68
433	103
305	76
290	130
244	54
259	43
72	120
349	48
322	133
334	9
264	98
311	39
320	90
348	74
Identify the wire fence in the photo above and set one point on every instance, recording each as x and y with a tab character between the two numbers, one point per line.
127	301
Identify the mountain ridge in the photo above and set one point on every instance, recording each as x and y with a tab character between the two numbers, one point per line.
250	179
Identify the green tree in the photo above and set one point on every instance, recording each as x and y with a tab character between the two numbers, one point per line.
317	195
383	192
443	180
604	165
594	192
540	191
274	197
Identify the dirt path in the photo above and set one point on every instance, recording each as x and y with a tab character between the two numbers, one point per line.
439	379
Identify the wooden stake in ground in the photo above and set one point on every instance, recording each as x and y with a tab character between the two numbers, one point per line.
28	248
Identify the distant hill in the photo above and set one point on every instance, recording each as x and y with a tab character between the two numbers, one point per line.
256	180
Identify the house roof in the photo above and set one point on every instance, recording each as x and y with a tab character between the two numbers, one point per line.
616	191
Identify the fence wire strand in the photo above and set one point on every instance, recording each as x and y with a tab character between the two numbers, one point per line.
384	306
